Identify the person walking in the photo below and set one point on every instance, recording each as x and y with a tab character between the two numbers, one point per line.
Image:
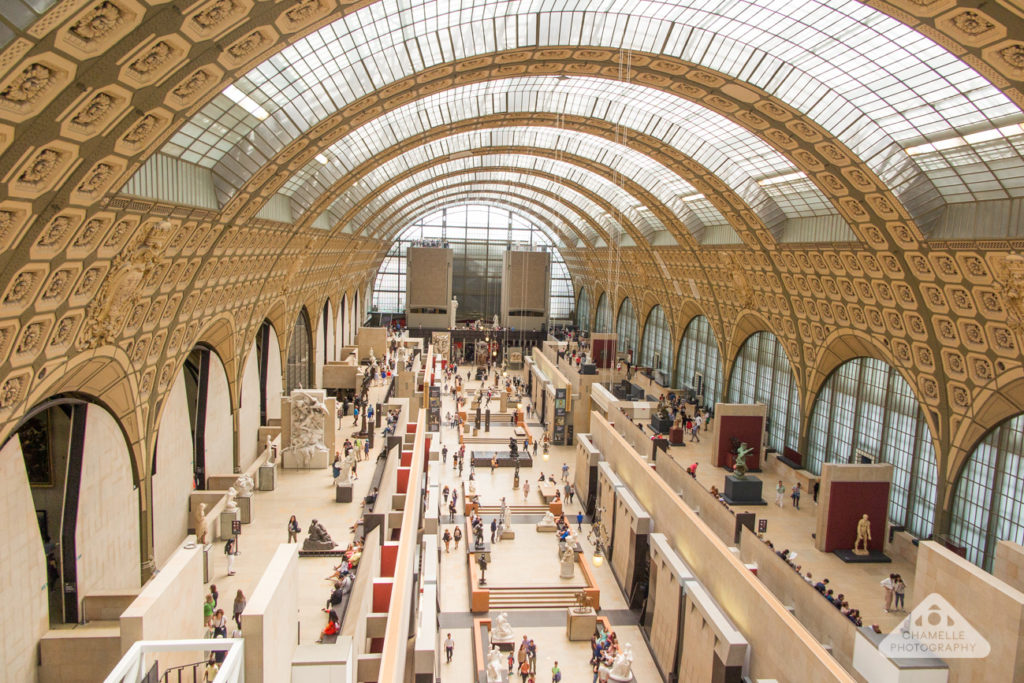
524	670
796	495
888	584
449	648
447	538
556	673
219	624
579	520
531	655
451	513
899	588
446	492
695	430
293	529
780	493
238	608
494	528
231	550
444	455
565	471
355	416
526	490
457	535
572	492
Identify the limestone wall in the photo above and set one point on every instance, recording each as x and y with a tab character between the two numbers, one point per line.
107	535
172	482
1009	564
249	447
781	647
275	380
271	617
24	609
220	428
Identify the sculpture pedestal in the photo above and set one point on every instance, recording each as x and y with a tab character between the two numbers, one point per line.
508	534
568	570
676	436
226	517
661	425
580	625
312	459
207	563
619	679
245	508
343	493
266	477
505	645
549	527
743	490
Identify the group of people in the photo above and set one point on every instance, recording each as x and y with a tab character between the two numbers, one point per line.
604	647
342	579
216	624
524	662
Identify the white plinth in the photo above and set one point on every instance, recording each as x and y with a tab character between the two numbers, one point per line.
246	508
226	517
316	460
267	477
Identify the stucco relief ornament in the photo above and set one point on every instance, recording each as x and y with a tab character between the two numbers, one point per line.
1010	276
98	22
29	84
118	293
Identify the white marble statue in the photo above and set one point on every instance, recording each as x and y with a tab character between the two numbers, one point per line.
501	631
347	466
245	486
622	665
472	487
231	505
506	514
495	321
308	413
567	558
201	527
495	665
548	523
269	447
452	312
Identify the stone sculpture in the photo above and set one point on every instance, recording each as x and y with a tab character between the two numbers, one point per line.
739	468
506	514
318	538
501	632
347	466
201	528
863	535
548	523
307	428
452	312
231	505
495	665
245	486
622	665
567	557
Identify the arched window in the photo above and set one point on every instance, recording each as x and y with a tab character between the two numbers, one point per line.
583	311
299	372
699	365
762	374
866	408
478	235
603	323
988	503
626	327
656	351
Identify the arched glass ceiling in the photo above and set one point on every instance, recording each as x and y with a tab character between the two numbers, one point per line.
661	182
523	169
728	150
557	192
556	222
872	81
576	207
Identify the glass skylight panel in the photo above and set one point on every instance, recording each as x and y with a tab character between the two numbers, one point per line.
837	60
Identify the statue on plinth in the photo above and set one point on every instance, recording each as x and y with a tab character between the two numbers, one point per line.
501	631
347	467
245	486
622	665
472	485
739	467
231	505
495	665
662	408
567	558
863	536
201	528
548	522
307	426
318	538
506	514
452	312
269	448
